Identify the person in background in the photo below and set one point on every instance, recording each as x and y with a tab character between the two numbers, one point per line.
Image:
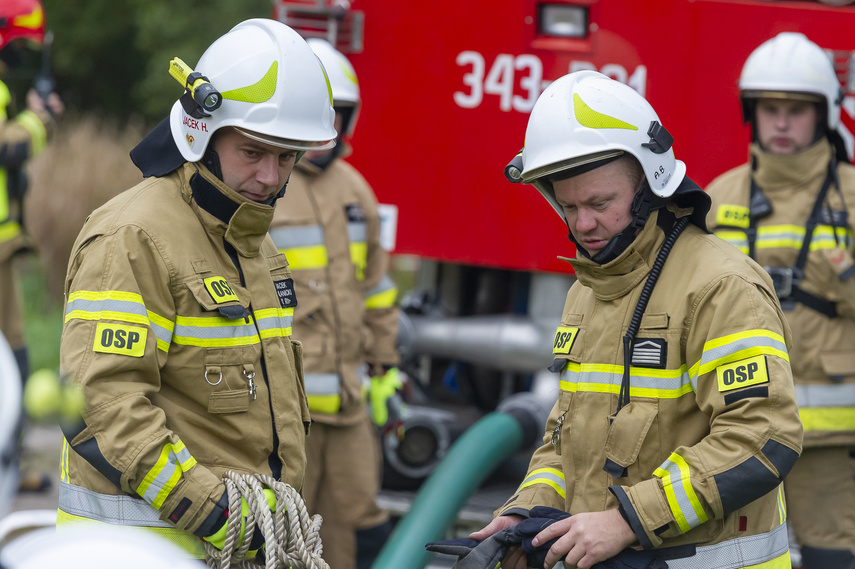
788	208
329	228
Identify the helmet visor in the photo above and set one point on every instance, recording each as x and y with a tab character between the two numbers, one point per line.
286	142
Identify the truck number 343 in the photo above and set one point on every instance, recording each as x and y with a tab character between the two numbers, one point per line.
518	80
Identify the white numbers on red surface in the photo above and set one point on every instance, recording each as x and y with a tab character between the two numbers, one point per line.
517	81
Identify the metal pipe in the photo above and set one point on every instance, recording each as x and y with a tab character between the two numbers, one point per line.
506	342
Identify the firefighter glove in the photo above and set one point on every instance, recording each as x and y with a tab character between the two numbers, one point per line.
218	538
490	552
385	402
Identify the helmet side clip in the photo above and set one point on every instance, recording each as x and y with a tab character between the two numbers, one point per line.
660	139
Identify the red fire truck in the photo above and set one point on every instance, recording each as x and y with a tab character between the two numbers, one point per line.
447	87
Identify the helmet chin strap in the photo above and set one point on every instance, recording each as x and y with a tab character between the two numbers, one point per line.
642	205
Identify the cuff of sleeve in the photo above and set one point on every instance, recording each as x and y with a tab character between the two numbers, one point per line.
196	503
644	508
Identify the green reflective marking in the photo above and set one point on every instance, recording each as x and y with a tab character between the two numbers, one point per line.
258	92
586	116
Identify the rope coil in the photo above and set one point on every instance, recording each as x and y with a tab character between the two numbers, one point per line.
291	536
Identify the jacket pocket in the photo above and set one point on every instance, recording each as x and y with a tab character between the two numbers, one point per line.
230	377
838	365
215	293
306	417
626	435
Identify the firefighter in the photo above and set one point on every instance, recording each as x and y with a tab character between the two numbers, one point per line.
179	307
676	419
21	137
788	209
329	228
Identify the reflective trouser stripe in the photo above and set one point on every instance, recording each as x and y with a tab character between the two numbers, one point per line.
77	504
323	391
552	477
827	407
763	551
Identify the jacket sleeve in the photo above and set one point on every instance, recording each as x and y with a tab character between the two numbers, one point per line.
543	484
23	137
119	319
739	367
379	290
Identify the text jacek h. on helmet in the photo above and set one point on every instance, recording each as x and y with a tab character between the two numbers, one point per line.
585	117
790	66
273	88
342	76
21	19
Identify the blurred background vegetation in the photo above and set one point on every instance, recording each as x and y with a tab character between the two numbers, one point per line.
110	61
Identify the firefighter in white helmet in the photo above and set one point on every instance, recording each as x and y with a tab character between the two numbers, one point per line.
329	228
788	208
179	307
676	420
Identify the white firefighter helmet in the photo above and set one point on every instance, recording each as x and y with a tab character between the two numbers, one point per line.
342	76
273	90
10	416
93	545
791	66
585	117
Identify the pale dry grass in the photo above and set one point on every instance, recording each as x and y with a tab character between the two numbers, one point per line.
84	165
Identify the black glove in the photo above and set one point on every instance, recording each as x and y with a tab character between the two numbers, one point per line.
488	553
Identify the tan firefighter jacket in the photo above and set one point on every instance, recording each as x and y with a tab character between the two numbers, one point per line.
21	138
328	226
822	356
698	455
178	327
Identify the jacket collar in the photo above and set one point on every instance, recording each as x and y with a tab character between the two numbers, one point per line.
790	172
243	222
616	278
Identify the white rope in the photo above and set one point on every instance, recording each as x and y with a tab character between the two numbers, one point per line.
291	536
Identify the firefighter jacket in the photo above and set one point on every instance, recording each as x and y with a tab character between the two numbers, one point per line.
822	357
695	460
328	226
21	138
178	328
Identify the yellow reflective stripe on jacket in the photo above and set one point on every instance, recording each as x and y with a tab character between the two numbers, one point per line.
739	346
78	504
304	246
827	407
552	477
323	391
121	306
383	295
9	230
782	504
174	461
606	378
34	125
356	233
762	551
736	238
682	500
63	461
275	322
788	236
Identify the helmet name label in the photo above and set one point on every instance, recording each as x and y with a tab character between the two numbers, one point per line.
733	216
119	339
195	124
220	290
564	338
736	375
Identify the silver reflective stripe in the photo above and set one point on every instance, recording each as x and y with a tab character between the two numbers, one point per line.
646	382
356	231
273	322
737	553
302	236
323	383
384	285
211	328
175	458
117	510
842	395
543	475
117	308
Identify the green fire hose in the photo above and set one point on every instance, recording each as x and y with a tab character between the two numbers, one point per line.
470	460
